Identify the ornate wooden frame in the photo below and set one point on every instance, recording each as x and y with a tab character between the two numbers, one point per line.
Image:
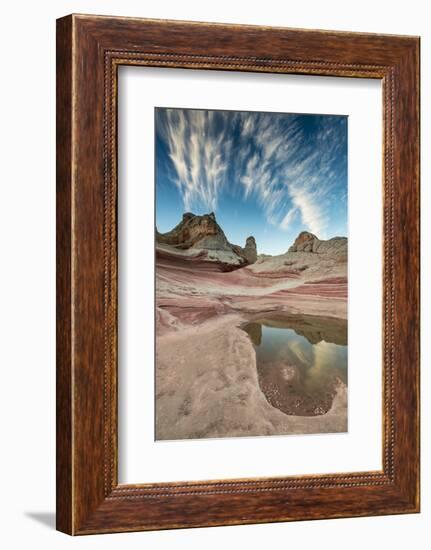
89	51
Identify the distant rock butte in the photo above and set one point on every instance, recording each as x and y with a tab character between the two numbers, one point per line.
308	242
204	233
200	238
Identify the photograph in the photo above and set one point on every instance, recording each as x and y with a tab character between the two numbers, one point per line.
251	273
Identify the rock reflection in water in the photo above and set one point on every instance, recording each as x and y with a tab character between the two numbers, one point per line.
300	361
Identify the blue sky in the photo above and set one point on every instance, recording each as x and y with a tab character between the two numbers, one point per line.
270	175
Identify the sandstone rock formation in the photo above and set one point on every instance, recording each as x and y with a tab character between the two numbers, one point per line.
203	233
210	309
249	252
195	231
307	242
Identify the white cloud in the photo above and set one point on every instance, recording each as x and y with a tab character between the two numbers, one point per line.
198	154
288	218
312	214
287	169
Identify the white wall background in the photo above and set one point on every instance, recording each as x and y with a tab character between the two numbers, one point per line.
27	279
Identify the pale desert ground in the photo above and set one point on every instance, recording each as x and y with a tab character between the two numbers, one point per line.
206	374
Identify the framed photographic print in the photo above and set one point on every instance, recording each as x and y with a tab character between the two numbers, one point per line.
237	274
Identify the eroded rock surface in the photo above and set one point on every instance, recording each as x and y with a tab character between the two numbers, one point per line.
308	242
202	234
206	288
